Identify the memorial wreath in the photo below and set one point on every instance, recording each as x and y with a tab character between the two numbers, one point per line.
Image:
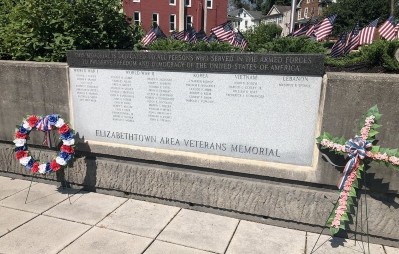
361	150
45	124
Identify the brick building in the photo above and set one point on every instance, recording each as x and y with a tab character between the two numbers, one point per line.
177	15
311	9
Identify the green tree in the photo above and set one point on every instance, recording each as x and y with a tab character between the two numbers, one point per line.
43	30
351	11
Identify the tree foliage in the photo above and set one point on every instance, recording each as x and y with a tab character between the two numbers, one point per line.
351	11
269	4
259	35
43	30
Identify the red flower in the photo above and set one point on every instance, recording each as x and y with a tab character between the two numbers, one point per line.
64	128
35	167
32	120
20	135
20	154
67	149
54	166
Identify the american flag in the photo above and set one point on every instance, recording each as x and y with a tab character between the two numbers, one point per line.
201	35
387	30
192	35
313	28
224	32
239	41
367	33
212	38
179	35
397	31
325	27
152	35
338	49
301	31
353	39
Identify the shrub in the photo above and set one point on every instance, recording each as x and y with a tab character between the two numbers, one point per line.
380	53
262	34
176	45
293	45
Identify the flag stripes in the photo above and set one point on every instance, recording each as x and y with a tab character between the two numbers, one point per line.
367	33
338	49
387	30
325	28
353	39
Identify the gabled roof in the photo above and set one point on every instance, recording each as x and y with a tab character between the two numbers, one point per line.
280	9
255	14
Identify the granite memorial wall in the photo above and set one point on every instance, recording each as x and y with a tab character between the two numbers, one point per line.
252	106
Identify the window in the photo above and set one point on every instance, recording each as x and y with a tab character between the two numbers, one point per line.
245	15
246	23
305	13
189	22
209	4
137	18
187	3
299	14
172	2
279	20
155	19
172	22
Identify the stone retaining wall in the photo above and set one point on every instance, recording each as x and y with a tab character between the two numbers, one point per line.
299	196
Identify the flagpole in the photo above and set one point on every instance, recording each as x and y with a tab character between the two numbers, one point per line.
392	7
293	8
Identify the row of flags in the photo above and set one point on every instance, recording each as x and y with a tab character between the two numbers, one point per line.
319	30
350	40
222	33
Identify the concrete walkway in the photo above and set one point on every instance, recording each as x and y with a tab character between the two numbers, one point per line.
97	223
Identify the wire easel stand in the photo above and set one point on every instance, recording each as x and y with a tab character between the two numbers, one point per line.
366	220
64	181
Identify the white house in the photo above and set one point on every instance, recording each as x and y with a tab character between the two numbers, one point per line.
243	19
279	15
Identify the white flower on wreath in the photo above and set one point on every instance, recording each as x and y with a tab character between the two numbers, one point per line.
19	142
26	125
42	168
69	142
24	161
59	123
60	161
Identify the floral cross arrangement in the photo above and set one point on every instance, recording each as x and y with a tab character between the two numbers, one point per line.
361	151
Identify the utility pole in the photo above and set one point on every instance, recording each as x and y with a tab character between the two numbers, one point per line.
293	12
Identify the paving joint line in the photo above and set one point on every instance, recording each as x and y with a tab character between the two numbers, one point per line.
167	224
232	236
306	242
36	215
194	248
17	191
91	227
124	232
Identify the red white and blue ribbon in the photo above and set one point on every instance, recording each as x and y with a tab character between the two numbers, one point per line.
356	149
